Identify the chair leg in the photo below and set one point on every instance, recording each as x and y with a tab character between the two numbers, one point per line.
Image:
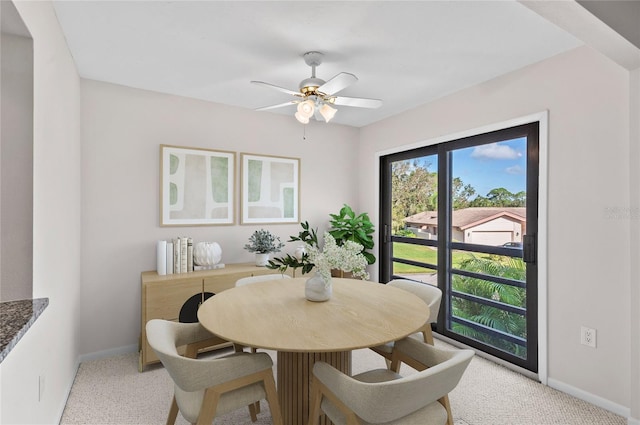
445	402
173	412
428	335
209	407
272	398
315	396
395	363
252	412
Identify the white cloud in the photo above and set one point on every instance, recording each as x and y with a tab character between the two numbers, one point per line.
495	151
516	169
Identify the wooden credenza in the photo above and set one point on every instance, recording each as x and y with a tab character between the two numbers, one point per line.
163	296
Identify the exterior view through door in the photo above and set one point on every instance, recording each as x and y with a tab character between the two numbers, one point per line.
462	215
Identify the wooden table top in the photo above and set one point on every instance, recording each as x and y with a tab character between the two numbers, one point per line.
275	315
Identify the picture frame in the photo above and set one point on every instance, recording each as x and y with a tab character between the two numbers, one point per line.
270	189
197	186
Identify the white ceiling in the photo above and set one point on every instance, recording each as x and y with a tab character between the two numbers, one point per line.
405	53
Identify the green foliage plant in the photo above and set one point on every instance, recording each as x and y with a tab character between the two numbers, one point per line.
498	319
263	242
347	226
309	237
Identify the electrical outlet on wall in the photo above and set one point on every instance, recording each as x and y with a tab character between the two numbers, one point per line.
588	336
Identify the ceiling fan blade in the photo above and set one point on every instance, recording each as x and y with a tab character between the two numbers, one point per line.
357	102
337	83
280	105
282	89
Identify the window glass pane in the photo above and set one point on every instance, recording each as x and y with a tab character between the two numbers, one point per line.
420	265
414	202
489	193
414	193
483	303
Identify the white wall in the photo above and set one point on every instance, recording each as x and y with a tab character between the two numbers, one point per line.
587	97
50	348
122	132
634	210
16	147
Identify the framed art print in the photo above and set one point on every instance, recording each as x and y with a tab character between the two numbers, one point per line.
270	189
197	186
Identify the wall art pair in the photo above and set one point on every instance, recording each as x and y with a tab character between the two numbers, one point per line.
197	187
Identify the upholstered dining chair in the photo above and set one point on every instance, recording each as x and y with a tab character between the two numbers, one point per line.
260	278
383	397
249	280
432	296
206	388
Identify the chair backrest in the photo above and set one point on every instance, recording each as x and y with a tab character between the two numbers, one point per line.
261	278
165	337
440	372
223	383
431	295
381	402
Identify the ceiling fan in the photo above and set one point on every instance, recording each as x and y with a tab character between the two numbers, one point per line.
315	96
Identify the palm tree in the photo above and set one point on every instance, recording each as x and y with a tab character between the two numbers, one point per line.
495	318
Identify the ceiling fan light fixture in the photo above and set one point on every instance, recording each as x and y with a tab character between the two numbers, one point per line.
315	97
327	112
302	118
306	108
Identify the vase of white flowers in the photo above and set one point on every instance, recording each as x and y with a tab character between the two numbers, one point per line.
317	289
263	242
347	257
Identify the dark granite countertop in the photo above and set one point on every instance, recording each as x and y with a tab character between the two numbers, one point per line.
16	317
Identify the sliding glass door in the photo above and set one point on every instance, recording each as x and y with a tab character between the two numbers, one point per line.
462	215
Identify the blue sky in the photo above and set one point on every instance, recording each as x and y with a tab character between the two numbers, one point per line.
486	167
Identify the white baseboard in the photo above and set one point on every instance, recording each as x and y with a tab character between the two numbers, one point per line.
96	355
593	399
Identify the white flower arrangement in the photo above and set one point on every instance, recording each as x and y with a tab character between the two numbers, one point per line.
347	258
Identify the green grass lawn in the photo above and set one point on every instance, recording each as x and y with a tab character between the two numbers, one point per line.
425	254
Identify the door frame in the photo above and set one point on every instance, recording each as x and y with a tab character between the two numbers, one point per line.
543	189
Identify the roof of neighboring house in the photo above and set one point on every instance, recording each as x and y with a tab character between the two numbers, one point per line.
469	217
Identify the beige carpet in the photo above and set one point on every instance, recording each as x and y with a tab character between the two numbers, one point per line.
111	391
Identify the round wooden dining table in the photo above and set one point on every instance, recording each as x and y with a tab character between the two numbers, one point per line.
275	315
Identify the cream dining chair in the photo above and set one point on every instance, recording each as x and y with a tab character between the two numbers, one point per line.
250	280
432	296
383	397
207	388
260	278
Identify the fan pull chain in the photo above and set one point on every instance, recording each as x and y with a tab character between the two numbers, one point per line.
304	132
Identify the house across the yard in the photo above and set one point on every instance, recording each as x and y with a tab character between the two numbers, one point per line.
478	225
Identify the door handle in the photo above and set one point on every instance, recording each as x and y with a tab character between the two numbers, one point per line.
529	247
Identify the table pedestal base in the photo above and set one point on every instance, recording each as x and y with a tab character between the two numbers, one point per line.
295	372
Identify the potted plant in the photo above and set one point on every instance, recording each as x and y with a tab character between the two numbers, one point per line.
263	242
347	226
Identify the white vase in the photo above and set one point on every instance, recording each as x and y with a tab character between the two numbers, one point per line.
207	253
299	252
262	259
317	289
